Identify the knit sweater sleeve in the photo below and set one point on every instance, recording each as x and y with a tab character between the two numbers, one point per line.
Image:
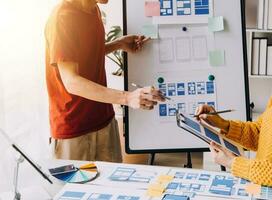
245	133
257	171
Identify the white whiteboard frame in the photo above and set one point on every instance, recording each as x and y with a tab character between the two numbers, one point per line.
126	116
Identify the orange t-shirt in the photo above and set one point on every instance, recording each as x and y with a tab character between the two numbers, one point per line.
75	36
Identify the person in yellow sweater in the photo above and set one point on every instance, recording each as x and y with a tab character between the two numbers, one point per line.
254	136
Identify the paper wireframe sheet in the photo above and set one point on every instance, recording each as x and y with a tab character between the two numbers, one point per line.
208	133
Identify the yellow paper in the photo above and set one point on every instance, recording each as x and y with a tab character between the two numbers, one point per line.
152	193
165	178
157	188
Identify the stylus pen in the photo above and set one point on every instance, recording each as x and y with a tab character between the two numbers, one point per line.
218	112
139	86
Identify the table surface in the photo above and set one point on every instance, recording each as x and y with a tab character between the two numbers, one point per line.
104	168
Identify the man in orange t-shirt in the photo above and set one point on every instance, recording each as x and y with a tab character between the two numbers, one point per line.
80	104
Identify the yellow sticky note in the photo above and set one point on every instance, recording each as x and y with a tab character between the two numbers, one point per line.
157	187
216	24
156	190
165	178
153	193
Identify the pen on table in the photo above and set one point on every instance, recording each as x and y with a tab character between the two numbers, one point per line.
217	112
139	86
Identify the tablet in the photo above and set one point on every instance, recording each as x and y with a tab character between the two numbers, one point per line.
208	133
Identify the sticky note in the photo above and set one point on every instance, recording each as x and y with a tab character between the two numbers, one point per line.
217	58
165	178
150	31
156	190
216	24
253	189
152	8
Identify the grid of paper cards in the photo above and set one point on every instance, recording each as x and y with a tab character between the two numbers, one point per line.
72	174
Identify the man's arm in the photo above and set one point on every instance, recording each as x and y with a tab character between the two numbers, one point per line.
75	84
129	43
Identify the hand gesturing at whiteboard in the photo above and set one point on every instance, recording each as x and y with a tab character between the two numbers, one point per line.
144	98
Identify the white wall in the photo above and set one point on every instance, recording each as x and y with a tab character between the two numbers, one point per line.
23	96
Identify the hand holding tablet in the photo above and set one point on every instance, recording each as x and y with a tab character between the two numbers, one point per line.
208	133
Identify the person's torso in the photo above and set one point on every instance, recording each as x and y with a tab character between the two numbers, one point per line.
71	115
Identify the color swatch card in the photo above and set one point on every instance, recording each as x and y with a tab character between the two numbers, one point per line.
72	174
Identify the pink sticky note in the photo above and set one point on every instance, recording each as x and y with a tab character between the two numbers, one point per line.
152	8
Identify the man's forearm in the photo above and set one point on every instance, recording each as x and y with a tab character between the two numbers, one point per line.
84	88
113	46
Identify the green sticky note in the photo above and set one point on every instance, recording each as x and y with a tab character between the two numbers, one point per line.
217	58
216	24
150	31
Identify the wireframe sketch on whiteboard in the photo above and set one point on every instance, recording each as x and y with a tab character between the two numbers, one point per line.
183	49
166	50
186	95
200	48
180	49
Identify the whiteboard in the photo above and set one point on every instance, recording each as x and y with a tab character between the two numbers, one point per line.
185	57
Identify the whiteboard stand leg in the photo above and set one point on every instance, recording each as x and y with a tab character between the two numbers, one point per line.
151	159
189	161
223	168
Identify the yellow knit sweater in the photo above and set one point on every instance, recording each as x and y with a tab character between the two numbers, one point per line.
255	136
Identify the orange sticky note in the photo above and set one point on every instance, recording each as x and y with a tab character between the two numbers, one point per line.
152	8
253	189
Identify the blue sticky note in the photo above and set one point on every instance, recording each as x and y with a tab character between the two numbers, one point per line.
150	31
217	58
216	24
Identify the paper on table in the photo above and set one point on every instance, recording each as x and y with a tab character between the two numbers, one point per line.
152	8
156	190
165	178
150	31
217	58
253	189
216	24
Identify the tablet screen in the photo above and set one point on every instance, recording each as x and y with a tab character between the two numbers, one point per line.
212	136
